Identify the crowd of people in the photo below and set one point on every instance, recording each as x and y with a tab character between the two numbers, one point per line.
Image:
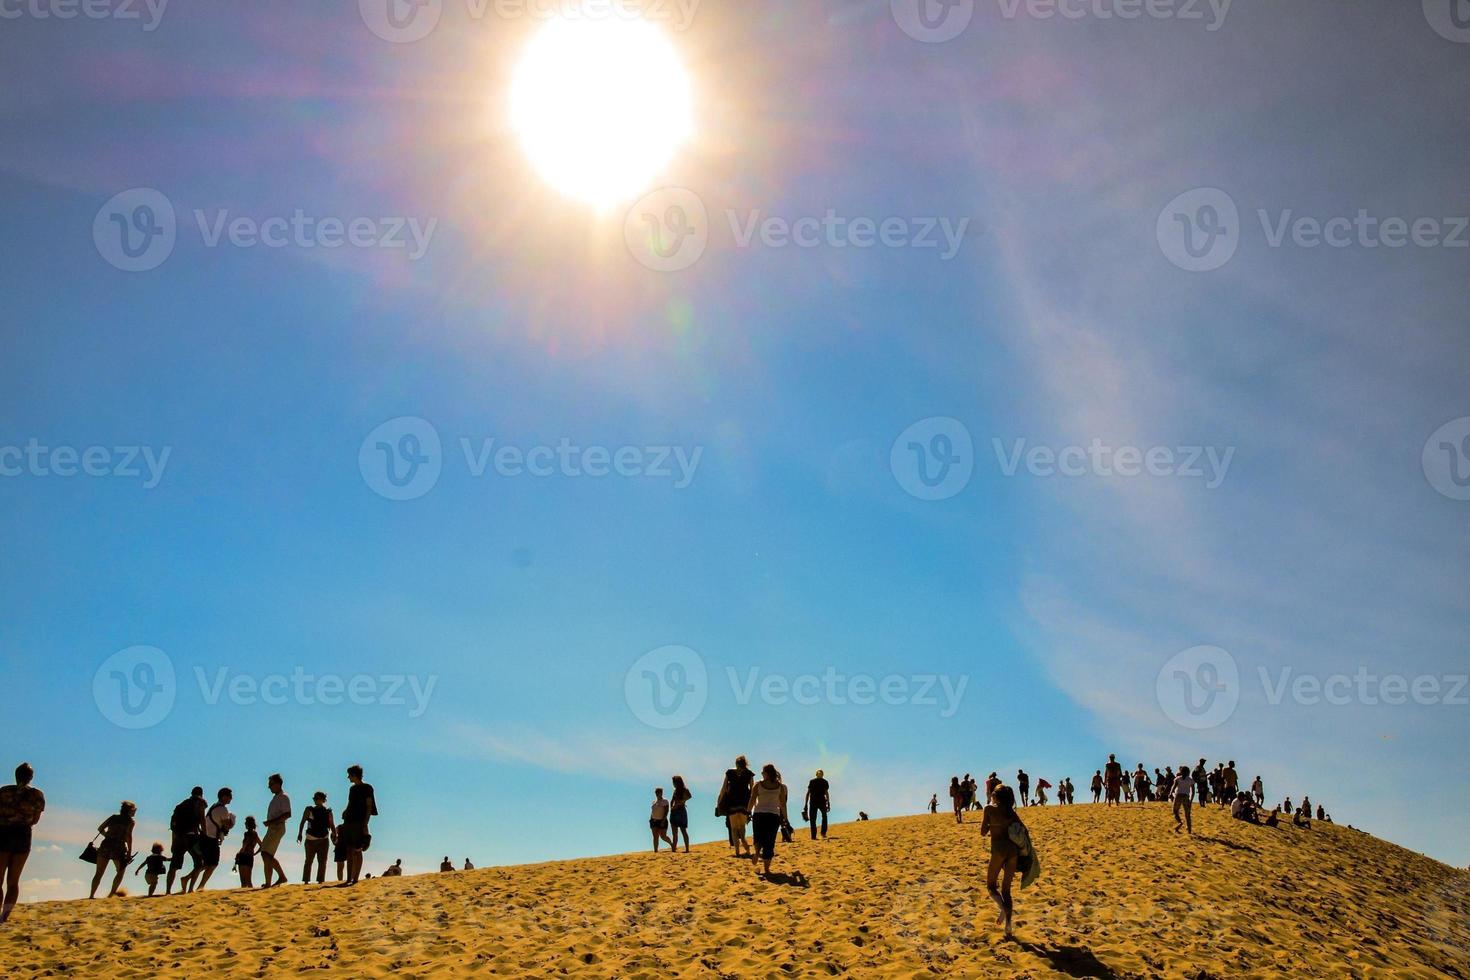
198	831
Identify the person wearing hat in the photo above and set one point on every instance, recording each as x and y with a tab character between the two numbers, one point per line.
817	800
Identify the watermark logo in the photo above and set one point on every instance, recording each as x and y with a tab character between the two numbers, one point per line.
1207	463
1364	687
401	21
401	459
300	688
1449	18
135	230
1199	230
667	230
1446	459
933	459
135	688
36	459
833	687
932	21
667	688
1199	688
1181	10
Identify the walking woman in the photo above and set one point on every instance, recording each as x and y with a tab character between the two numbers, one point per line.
116	847
679	812
21	805
768	813
957	797
996	822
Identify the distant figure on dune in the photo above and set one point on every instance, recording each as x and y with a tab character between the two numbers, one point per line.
1166	784
679	812
361	807
1232	780
733	803
467	865
21	806
446	865
276	817
1113	781
818	799
218	822
245	857
991	782
658	820
1064	792
957	797
186	827
1041	787
116	847
1258	790
153	867
933	804
396	871
1201	779
1023	786
768	812
1321	813
996	822
319	826
1274	820
1140	784
1097	785
967	792
1183	799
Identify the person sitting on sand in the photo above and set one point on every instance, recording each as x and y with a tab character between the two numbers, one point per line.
361	807
1183	799
116	847
1243	808
245	857
734	803
768	813
1321	813
679	812
1097	785
1302	818
21	806
1274	820
320	827
996	822
446	865
658	820
396	871
957	797
467	865
818	799
276	818
154	866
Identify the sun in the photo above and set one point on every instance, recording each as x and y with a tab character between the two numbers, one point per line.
600	106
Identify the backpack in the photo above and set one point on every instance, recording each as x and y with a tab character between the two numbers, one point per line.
185	817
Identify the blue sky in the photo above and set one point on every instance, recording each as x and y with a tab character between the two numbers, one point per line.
796	546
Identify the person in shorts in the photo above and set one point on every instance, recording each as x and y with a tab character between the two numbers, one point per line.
186	827
153	867
276	816
658	820
245	857
679	812
734	803
361	807
21	806
116	847
218	822
320	827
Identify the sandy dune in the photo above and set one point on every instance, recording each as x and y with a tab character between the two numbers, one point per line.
1120	896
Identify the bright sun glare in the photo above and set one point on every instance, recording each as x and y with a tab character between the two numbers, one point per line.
600	106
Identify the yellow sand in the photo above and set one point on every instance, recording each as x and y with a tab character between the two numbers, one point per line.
1120	895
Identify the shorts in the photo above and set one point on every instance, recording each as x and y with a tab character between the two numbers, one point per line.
680	819
245	861
355	836
738	820
111	850
183	845
339	852
272	839
658	825
207	852
15	839
151	878
766	827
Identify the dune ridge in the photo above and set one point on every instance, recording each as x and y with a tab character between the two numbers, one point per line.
1120	896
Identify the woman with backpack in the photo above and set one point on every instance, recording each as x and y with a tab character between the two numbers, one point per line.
1004	852
733	803
320	828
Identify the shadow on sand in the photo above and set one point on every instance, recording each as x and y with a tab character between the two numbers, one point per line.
1074	961
795	879
1226	843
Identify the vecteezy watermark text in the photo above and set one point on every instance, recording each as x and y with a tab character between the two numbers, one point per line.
937	21
668	688
86	9
123	462
1096	459
403	458
309	690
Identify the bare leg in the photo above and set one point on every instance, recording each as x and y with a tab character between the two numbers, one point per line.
97	878
12	864
118	878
